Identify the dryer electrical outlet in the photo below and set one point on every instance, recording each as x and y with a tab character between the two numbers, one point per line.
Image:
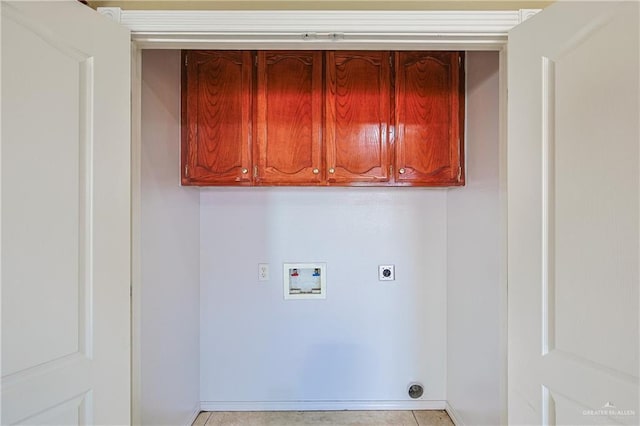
386	273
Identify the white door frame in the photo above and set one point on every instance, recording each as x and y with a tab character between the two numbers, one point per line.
310	30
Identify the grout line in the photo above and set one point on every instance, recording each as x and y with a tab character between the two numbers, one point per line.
208	417
414	417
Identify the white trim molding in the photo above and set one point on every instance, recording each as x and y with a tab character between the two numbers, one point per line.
321	405
478	30
453	415
113	13
527	13
194	415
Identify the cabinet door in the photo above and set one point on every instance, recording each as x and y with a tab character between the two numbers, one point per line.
429	118
357	116
289	118
216	118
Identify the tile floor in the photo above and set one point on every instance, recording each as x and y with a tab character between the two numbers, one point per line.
333	418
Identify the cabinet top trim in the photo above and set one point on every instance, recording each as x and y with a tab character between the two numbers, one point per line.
184	29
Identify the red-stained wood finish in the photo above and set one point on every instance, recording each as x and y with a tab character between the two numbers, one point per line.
217	119
288	144
429	118
358	104
323	118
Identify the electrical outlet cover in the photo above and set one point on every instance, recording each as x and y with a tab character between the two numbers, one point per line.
263	272
386	273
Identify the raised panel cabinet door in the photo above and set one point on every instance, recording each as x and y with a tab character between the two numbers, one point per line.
216	115
429	118
358	103
289	118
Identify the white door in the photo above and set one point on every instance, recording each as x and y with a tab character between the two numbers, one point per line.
573	215
65	232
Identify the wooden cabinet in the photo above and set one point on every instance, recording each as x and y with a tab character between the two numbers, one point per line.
358	103
323	118
288	144
216	117
429	96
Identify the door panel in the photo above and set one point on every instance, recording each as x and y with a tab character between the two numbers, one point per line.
429	118
573	215
53	238
289	118
65	215
357	116
217	117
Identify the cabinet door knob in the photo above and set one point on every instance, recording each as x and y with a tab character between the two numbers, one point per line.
245	171
332	170
316	171
401	171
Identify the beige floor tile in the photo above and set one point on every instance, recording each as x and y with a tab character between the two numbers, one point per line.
432	418
378	418
299	418
202	418
267	418
333	418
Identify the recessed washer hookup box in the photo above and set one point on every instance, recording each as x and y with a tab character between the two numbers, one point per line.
305	280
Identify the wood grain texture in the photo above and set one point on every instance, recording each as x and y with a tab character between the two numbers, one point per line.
348	126
288	144
358	102
429	118
218	118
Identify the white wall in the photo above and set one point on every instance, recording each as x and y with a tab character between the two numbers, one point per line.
170	254
474	364
366	342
